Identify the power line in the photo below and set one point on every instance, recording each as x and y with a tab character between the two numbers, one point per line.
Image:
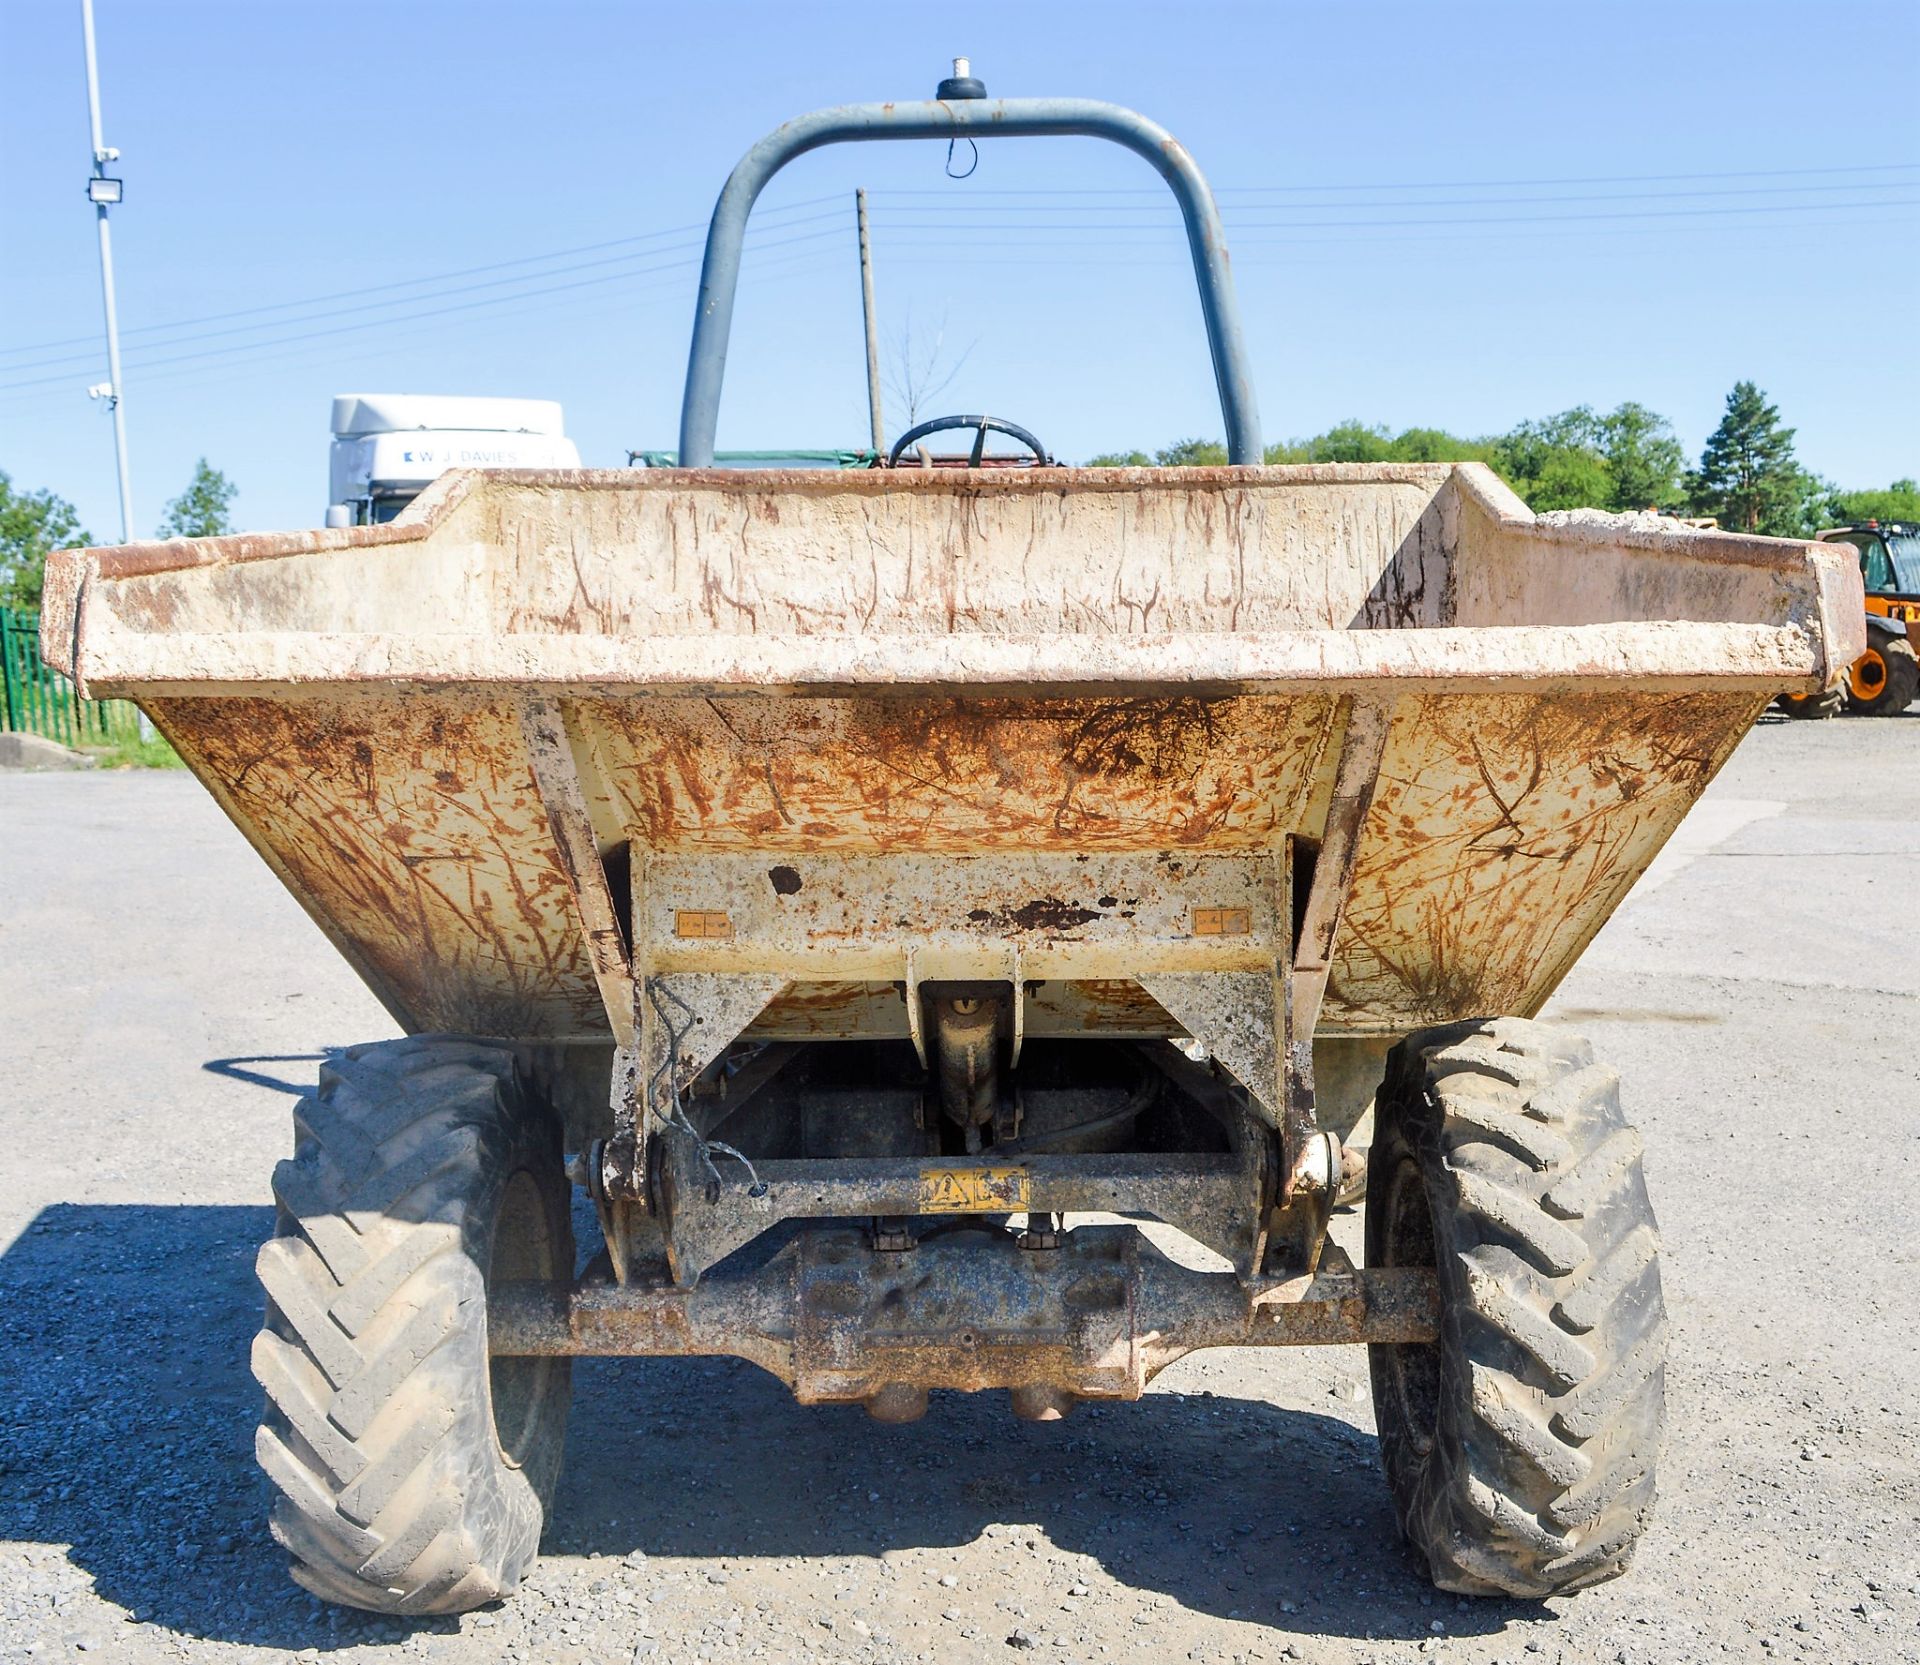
196	375
409	317
413	283
1422	184
1018	253
1175	258
1009	235
460	289
1165	206
1076	231
931	235
957	200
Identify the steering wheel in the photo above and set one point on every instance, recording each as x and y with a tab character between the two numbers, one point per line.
983	425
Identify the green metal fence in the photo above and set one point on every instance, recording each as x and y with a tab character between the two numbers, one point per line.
42	701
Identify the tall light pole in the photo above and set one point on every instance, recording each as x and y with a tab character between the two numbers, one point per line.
103	192
873	327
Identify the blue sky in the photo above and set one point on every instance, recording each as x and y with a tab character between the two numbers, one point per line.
1454	215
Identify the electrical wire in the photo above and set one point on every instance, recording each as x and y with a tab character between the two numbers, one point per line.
948	215
1165	206
643	297
764	215
341	354
1076	231
957	202
1176	257
461	289
410	317
1435	185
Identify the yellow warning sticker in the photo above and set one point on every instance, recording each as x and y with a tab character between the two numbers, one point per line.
702	924
974	1190
1221	922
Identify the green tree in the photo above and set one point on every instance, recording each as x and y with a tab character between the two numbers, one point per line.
1289	451
1749	478
1185	453
1627	459
1900	501
1192	453
1354	441
32	525
1437	445
201	510
1351	441
1644	460
1557	463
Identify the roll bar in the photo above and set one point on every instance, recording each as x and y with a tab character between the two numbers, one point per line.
965	114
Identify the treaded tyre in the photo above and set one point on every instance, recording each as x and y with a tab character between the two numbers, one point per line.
410	1472
1826	703
1520	1446
1885	679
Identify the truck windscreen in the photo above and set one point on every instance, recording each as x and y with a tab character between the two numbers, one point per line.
1903	550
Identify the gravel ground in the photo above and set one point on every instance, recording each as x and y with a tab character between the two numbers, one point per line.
163	1000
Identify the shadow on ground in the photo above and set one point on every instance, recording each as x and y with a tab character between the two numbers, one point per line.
241	1069
126	1427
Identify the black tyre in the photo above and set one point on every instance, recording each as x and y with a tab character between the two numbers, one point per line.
411	1473
1520	1446
1826	703
1885	679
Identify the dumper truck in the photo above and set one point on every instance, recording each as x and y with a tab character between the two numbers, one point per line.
878	891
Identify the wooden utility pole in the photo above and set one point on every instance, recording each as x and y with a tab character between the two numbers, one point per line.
873	328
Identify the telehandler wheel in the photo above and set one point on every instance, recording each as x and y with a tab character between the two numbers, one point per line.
1885	679
411	1473
1520	1446
1826	703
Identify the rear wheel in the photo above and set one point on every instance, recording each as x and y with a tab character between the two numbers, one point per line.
411	1472
1885	679
1520	1445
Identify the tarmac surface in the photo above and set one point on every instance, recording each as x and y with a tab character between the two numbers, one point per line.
162	1001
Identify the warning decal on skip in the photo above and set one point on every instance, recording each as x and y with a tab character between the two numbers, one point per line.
973	1190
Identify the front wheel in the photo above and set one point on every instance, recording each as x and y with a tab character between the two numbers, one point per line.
1520	1445
1885	679
411	1472
1813	707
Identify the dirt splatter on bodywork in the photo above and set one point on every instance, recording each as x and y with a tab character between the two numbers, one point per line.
1043	668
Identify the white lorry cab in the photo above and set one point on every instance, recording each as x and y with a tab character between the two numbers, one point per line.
389	447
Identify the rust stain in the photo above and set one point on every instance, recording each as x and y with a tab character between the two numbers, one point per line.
828	1010
1040	913
833	1010
418	832
1096	1005
1503	831
1505	827
792	775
